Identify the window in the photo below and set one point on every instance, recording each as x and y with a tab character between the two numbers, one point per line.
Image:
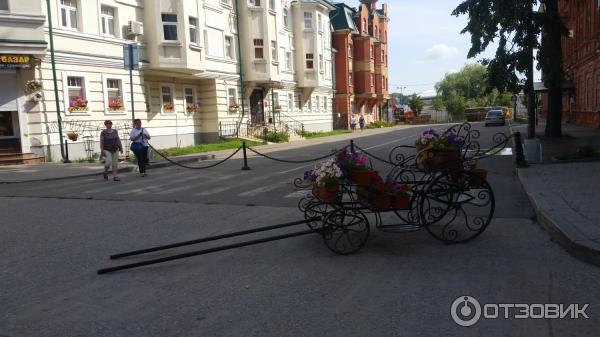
321	63
325	103
372	51
76	92
372	80
299	102
190	100
382	82
286	19
310	104
258	49
309	61
167	99
193	30
307	20
377	36
229	47
350	78
290	102
288	60
108	20
274	51
319	23
114	93
318	102
3	5
364	25
382	57
169	27
272	5
226	2
68	13
232	96
275	99
350	50
255	3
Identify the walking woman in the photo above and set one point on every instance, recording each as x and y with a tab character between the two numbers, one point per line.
361	122
109	145
139	145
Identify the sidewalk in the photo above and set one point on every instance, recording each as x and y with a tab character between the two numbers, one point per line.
57	171
565	195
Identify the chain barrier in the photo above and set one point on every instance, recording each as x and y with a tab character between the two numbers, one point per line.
334	152
194	167
373	156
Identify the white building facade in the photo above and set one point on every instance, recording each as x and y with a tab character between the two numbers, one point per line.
190	79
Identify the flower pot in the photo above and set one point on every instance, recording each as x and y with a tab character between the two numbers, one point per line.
439	160
381	201
328	194
401	202
474	182
73	136
361	178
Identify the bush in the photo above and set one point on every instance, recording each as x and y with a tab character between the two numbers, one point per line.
278	137
380	124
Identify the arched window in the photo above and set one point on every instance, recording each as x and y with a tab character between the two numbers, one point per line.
364	26
376	32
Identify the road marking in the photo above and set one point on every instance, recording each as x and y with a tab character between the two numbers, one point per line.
295	169
140	190
190	186
225	188
61	183
393	141
262	189
297	194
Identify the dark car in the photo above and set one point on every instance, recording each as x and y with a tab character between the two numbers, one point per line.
495	117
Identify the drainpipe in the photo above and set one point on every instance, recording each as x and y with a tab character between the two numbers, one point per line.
60	133
239	54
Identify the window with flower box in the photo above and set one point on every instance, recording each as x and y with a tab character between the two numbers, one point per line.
114	95
166	96
191	104
77	95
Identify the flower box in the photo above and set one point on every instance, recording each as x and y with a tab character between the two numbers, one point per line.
361	178
191	108
168	107
78	104
401	202
116	104
327	194
73	136
439	160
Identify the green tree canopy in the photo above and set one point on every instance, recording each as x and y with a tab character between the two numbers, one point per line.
416	104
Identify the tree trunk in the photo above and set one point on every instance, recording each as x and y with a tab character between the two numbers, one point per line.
552	67
554	120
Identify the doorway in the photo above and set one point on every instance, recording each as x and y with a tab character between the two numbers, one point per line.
9	138
257	112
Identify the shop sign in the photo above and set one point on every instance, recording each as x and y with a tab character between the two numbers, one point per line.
15	61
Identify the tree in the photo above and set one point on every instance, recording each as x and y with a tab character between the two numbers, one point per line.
516	27
456	105
416	104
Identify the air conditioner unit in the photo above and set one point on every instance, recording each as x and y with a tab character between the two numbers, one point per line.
135	28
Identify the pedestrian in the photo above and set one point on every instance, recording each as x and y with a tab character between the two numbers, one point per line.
139	145
353	123
361	122
109	145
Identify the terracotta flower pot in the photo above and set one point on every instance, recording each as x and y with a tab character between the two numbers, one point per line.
401	202
328	194
474	182
440	160
361	178
381	201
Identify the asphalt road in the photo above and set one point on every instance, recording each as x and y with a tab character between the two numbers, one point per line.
53	238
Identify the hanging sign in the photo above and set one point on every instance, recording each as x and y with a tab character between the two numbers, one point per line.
15	61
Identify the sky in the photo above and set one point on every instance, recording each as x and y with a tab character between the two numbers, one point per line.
424	43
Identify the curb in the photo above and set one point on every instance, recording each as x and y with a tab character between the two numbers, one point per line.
567	233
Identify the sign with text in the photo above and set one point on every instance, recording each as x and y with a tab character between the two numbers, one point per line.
131	56
15	61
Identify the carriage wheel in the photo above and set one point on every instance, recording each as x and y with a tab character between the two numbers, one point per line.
456	206
314	208
345	231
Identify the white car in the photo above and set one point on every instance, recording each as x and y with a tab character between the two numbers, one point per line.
495	117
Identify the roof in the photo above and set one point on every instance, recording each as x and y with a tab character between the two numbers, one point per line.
341	18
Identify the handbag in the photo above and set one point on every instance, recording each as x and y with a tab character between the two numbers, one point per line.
138	146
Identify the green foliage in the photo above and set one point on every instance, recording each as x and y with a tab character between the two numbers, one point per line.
416	104
438	104
224	145
515	26
310	135
456	105
278	137
380	124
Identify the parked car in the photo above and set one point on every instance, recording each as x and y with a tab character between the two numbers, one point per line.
495	117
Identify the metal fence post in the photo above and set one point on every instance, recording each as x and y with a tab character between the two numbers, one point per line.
352	145
302	127
220	130
520	158
66	160
245	167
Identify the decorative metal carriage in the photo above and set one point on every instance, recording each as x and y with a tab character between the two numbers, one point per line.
448	198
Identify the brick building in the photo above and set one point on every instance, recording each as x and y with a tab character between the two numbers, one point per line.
361	72
581	53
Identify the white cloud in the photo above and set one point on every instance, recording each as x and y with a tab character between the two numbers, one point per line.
440	52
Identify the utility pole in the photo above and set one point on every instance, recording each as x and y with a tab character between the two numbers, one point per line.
58	116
